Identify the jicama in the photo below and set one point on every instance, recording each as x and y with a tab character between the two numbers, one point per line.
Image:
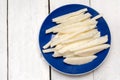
82	36
69	15
95	42
81	17
69	24
79	60
90	51
48	50
77	38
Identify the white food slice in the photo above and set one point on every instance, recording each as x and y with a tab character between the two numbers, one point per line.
79	18
79	60
67	47
94	49
47	45
59	46
56	54
92	43
48	50
96	17
68	25
73	27
66	16
82	36
97	35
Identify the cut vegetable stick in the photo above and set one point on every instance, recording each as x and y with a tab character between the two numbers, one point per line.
48	50
82	36
74	55
58	47
78	29
69	25
67	47
56	54
97	35
92	43
71	18
74	18
94	49
79	60
47	45
74	34
69	15
96	17
73	26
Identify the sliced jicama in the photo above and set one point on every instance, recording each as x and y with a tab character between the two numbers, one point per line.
79	60
94	49
68	25
81	17
90	51
56	54
66	16
48	50
82	36
47	45
96	17
67	47
95	42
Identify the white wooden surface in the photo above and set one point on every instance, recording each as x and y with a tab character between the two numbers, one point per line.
3	40
25	18
24	59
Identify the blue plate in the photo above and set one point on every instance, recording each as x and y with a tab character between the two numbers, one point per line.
57	63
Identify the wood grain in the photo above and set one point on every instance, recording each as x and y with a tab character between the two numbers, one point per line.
56	75
25	19
110	68
3	39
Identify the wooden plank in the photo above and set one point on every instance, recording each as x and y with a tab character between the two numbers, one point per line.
110	68
54	74
25	18
55	4
3	39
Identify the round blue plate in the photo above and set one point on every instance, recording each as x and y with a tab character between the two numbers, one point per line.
57	63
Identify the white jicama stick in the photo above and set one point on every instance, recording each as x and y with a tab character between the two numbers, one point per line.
74	55
69	15
48	50
95	42
71	18
82	36
92	50
78	18
47	45
96	17
73	26
79	60
74	34
97	35
68	22
58	47
56	54
67	47
70	25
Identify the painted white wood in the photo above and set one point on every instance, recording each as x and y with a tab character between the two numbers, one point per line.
3	40
111	12
25	18
55	3
56	75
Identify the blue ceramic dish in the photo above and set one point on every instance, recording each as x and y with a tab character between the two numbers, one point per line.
57	63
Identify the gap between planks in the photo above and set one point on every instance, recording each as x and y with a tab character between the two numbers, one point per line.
49	66
7	21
